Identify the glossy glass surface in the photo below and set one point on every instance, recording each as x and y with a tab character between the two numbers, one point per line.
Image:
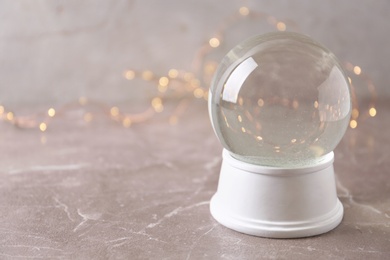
281	100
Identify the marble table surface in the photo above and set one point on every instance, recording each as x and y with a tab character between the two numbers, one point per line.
102	191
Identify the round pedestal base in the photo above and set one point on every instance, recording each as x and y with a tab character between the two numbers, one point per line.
276	202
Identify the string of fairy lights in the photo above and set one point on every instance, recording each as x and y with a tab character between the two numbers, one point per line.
186	85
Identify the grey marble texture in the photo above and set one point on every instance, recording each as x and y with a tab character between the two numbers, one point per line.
96	191
101	191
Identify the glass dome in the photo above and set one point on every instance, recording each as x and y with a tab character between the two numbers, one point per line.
280	100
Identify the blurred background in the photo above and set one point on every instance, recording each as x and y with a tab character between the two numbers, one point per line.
54	52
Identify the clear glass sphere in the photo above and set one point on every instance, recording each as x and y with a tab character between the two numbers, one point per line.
280	100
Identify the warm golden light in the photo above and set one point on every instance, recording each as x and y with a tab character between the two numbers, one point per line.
10	116
317	150
42	127
214	42
51	112
188	76
159	108
173	120
357	70
129	74
173	73
163	84
147	75
240	101
355	113
157	104
114	111
226	122
372	111
162	89
206	95
163	81
195	82
83	101
87	117
198	93
156	101
295	104
244	10
281	26
353	123
194	85
126	122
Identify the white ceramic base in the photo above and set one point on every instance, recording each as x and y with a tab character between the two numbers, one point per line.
276	202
